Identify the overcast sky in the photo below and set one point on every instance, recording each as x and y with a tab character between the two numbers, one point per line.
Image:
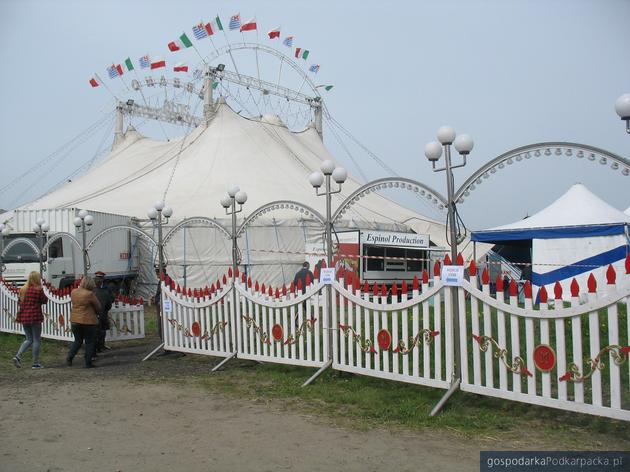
510	73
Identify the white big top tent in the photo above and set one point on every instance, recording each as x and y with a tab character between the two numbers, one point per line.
192	174
575	236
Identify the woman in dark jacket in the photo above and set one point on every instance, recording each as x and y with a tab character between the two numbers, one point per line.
84	320
30	315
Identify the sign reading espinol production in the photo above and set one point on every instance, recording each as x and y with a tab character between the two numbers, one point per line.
386	238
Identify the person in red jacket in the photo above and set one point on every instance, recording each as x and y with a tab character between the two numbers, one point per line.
30	315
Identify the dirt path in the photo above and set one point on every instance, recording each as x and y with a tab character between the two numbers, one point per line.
104	419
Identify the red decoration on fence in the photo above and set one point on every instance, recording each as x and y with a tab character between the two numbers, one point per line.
513	288
230	272
575	288
485	276
189	292
383	290
348	279
375	289
196	329
195	293
212	289
436	269
611	275
543	294
628	263
384	339
366	287
141	301
263	288
249	282
544	358
323	264
499	284
237	272
395	290
472	268
527	288
447	260
292	288
557	291
224	280
591	283
243	278
256	287
284	290
341	273
425	280
218	285
356	284
316	272
277	332
277	292
460	259
178	290
404	288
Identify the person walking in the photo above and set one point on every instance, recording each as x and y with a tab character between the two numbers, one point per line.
105	298
303	275
30	315
84	321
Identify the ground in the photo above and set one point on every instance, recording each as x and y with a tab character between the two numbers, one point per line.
171	413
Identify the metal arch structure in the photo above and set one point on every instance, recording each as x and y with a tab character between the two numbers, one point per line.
60	235
195	219
227	49
111	229
281	205
17	241
386	183
557	149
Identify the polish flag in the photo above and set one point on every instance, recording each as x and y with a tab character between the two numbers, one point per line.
94	82
180	67
274	33
157	62
249	25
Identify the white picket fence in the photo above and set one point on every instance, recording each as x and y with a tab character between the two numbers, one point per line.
126	319
572	357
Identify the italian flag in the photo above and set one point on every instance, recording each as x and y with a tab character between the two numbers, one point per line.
274	33
303	53
157	62
182	43
325	87
129	64
181	67
214	26
249	25
94	82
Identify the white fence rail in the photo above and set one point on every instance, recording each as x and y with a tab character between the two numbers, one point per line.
126	319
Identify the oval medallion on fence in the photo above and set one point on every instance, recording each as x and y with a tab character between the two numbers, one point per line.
276	332
196	329
384	339
61	320
544	358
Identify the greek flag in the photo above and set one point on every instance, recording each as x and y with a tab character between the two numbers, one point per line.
200	31
145	62
288	41
314	68
235	22
112	72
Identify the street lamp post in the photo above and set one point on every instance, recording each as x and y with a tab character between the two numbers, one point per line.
235	195
84	223
622	107
159	215
4	231
316	179
41	228
433	151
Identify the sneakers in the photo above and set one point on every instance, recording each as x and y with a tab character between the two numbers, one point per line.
17	362
37	366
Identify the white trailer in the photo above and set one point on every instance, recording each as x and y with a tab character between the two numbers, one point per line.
115	253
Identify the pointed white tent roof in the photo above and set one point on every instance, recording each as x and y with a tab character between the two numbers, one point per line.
192	174
577	213
627	212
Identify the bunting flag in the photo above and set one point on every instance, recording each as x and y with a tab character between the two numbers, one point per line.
325	87
157	62
303	53
235	22
200	31
180	67
129	64
181	43
314	68
145	62
94	82
288	41
114	71
274	33
249	25
215	25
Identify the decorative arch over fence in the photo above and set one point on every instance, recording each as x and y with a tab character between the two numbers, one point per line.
111	229
17	241
520	154
281	205
60	235
195	219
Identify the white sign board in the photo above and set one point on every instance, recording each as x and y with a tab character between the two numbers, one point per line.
452	275
168	306
327	275
388	238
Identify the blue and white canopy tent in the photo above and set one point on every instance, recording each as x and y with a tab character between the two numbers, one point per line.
575	236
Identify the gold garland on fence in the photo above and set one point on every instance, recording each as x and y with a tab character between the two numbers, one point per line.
366	345
518	363
251	323
124	330
306	325
619	355
56	324
219	326
10	315
425	333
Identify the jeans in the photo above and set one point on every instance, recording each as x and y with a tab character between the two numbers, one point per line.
82	333
33	336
